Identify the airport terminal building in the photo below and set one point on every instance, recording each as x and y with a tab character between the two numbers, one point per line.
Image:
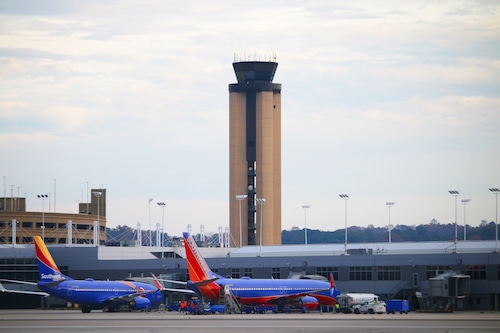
467	272
87	226
390	270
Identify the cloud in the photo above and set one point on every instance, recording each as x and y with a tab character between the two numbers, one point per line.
385	99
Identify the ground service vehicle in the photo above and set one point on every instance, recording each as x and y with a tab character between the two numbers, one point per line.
369	307
397	305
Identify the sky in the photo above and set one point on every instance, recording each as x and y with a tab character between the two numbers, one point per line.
386	101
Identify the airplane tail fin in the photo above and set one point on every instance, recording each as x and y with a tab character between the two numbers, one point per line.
49	272
333	289
201	278
197	266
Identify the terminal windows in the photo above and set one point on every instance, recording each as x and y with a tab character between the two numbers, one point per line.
325	271
276	273
248	272
360	273
389	273
235	273
433	271
476	272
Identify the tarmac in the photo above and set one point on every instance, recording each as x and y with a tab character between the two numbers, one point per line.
74	321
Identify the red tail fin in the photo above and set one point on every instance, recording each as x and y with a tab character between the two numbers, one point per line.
200	276
197	266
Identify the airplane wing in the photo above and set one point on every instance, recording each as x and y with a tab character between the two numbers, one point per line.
205	282
187	291
128	297
162	288
21	291
173	281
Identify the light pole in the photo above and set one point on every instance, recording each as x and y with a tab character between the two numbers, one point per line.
465	202
240	197
162	206
4	193
150	234
345	197
98	196
495	191
87	212
305	207
260	201
455	193
389	205
43	197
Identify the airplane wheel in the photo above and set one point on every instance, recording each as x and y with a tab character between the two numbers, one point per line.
86	309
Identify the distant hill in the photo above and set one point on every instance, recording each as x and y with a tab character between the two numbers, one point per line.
400	233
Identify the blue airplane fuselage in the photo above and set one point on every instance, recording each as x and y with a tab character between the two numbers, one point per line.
97	293
256	291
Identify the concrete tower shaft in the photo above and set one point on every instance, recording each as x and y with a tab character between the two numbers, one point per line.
255	154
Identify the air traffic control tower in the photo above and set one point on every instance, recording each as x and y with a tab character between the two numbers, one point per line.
255	155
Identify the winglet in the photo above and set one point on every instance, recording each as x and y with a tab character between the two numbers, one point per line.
157	282
332	282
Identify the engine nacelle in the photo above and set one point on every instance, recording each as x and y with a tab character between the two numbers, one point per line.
311	303
140	303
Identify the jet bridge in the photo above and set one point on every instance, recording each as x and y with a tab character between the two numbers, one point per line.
445	293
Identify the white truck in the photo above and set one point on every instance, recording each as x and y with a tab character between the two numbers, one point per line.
347	301
370	307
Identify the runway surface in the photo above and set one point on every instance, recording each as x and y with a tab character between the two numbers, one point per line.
58	321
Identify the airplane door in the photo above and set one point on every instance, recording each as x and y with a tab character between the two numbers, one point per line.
415	280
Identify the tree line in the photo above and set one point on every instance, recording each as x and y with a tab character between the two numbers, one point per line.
400	233
432	231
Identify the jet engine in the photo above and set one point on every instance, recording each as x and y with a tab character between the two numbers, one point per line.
140	303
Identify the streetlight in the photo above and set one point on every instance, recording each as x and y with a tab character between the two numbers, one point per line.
240	197
162	206
98	196
465	202
305	207
389	205
150	234
43	197
260	201
345	197
455	193
495	191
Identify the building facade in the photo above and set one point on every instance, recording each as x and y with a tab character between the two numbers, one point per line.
395	272
255	155
19	226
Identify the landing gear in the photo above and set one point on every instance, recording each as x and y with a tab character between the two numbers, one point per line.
86	309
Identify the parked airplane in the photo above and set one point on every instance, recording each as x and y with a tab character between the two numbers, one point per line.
281	292
92	294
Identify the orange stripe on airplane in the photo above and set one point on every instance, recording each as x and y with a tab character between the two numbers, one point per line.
43	254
